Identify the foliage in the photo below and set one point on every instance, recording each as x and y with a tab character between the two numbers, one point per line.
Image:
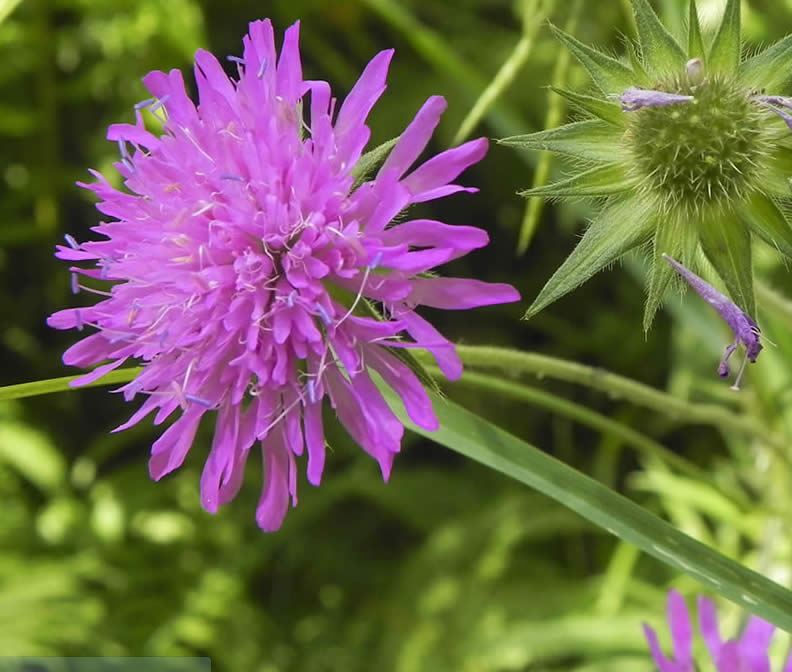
450	566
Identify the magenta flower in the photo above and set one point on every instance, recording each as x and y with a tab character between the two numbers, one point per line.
746	654
243	255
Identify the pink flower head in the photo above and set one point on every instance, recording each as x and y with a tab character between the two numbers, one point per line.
243	255
746	654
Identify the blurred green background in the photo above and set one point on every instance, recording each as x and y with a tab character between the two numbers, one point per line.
448	568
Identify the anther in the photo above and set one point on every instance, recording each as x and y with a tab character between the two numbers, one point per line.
71	242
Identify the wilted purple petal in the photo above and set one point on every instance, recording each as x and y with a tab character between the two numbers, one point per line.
746	331
779	105
634	99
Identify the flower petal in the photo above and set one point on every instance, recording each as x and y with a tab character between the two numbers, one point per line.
460	293
440	170
274	501
415	138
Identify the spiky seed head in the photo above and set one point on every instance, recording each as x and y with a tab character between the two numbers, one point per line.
703	153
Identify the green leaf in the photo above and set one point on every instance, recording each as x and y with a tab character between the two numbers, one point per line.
769	222
727	244
696	48
479	440
610	75
642	78
768	69
661	52
725	52
597	107
600	181
677	238
371	161
620	227
592	140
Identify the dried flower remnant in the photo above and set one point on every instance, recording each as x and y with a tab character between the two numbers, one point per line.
745	329
748	653
685	149
634	99
254	274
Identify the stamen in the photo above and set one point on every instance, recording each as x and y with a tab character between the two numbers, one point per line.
78	316
310	389
143	104
236	59
233	178
376	260
324	315
723	367
736	386
262	68
75	284
198	400
358	296
71	242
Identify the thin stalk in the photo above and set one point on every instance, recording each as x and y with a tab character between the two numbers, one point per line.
39	387
682	411
436	51
556	108
533	14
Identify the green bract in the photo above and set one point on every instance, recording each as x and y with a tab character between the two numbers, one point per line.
697	167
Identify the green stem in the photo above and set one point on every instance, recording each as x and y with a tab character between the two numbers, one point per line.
436	51
40	387
533	14
514	362
555	115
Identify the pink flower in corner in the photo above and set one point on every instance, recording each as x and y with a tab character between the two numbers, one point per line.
242	254
748	653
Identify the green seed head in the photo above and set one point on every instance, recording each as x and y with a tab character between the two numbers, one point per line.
703	153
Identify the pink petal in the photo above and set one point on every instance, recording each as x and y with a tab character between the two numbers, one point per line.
681	629
131	133
365	94
289	77
88	351
97	373
406	384
440	170
169	451
314	439
431	233
180	108
223	460
415	138
274	501
754	644
427	337
215	78
663	664
460	293
708	623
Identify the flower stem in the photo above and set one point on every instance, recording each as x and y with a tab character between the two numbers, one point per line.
617	387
